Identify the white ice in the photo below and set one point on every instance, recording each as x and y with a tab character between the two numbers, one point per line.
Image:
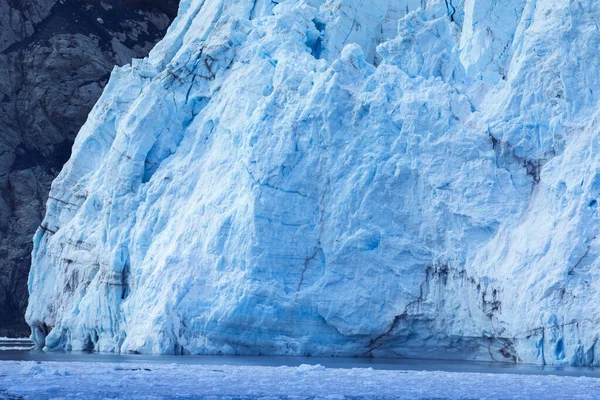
98	381
341	177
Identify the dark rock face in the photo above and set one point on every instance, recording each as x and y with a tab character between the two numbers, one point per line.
55	58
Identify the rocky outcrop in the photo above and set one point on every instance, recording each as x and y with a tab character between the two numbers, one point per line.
55	58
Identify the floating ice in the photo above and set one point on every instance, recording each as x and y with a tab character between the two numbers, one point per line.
91	381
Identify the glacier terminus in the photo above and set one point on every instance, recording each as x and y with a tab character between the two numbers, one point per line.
389	178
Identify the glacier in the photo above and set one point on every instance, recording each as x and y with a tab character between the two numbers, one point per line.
337	177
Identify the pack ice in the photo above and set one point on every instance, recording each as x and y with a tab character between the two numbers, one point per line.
415	178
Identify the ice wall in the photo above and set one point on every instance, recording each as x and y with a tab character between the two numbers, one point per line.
316	178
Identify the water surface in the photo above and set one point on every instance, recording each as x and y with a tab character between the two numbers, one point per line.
328	362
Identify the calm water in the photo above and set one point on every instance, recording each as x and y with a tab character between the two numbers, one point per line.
329	362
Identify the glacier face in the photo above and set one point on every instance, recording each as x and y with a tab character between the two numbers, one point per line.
340	177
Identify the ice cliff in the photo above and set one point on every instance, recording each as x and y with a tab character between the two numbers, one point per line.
340	177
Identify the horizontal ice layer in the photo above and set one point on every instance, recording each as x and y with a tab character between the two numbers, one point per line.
144	380
302	178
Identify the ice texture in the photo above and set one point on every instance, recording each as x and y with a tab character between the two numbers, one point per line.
30	380
343	177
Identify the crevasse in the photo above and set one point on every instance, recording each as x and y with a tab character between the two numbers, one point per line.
342	177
